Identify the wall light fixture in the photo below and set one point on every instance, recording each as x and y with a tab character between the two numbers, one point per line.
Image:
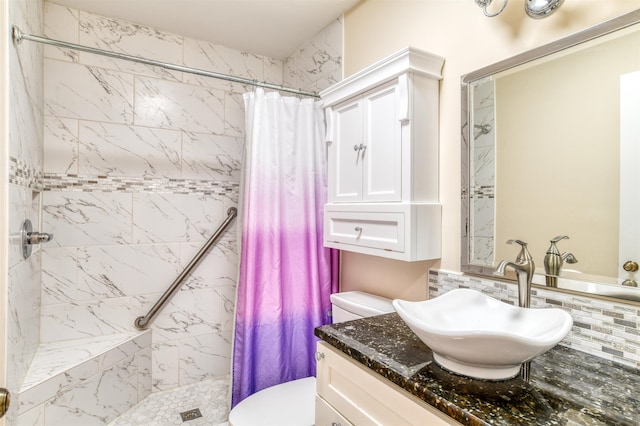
536	9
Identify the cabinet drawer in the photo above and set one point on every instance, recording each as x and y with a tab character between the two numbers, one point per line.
383	231
326	415
364	398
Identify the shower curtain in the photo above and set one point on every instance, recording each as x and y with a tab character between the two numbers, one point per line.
286	275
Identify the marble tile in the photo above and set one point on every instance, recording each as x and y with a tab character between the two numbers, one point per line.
218	267
188	313
61	23
234	115
120	150
120	36
80	219
482	217
484	167
484	117
273	69
144	360
44	385
220	59
18	211
317	64
228	298
178	106
98	400
164	366
85	92
484	94
25	115
34	417
170	218
57	365
23	319
205	357
77	320
211	156
59	275
60	145
116	271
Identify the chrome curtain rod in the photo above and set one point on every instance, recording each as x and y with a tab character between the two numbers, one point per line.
19	36
142	323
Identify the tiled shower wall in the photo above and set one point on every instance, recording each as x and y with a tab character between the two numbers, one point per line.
140	167
25	153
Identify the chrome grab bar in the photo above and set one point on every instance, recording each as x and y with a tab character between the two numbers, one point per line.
142	323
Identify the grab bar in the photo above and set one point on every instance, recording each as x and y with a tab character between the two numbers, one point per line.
142	322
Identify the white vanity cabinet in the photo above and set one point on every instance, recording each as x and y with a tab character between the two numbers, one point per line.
350	394
382	145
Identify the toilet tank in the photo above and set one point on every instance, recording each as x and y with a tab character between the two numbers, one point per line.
352	305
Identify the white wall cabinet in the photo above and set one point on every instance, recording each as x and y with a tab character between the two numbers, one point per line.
350	394
382	145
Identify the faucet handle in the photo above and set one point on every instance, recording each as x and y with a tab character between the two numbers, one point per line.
524	254
558	238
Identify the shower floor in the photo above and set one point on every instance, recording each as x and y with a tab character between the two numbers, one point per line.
210	397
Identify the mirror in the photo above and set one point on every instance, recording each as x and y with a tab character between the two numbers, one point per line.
551	148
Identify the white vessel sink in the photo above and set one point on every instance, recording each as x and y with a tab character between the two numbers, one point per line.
478	336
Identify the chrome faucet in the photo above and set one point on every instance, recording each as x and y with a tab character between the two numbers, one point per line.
524	268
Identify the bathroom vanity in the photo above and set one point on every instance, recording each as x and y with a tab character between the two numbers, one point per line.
376	370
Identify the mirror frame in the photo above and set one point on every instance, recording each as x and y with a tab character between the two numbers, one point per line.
572	285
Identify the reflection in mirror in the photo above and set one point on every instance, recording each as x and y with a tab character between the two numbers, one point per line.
552	142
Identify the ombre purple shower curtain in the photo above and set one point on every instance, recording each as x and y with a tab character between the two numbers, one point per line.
286	275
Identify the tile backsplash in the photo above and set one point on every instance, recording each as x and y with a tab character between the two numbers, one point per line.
603	328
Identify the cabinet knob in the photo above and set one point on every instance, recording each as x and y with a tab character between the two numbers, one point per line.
358	229
357	147
319	356
630	266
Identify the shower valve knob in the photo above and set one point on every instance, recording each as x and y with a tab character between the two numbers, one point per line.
39	237
29	238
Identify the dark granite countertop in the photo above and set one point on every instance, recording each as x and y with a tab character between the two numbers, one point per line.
567	387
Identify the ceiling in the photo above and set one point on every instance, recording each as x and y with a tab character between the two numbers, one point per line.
274	28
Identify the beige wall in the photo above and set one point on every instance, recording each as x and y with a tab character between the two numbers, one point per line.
457	30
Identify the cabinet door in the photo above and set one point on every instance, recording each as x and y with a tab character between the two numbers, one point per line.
382	135
363	397
345	155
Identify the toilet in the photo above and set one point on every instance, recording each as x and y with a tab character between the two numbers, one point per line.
293	403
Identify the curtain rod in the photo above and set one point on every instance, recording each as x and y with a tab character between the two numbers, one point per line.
19	36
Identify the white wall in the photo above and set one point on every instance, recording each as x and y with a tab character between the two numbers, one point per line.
458	31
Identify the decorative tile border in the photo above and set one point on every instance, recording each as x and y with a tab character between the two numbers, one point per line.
69	182
602	328
483	191
22	174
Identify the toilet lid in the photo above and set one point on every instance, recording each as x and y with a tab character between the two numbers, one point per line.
287	404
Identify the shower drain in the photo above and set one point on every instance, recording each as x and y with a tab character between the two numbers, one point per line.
190	415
